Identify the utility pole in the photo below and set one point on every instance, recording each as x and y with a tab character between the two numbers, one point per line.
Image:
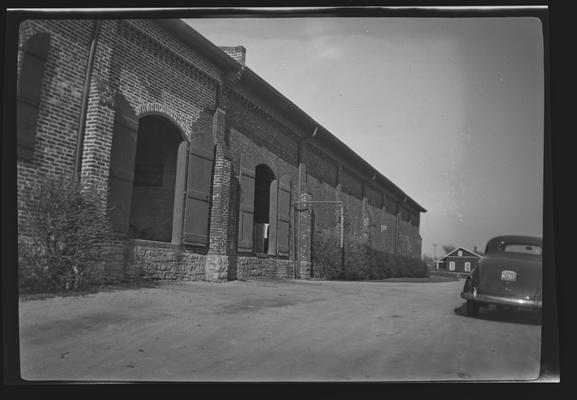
435	251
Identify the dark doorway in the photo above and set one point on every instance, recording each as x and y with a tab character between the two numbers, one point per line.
263	179
151	213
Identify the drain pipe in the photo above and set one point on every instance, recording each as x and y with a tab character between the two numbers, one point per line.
297	252
85	93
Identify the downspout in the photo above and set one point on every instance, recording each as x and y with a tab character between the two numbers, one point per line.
300	151
85	93
296	241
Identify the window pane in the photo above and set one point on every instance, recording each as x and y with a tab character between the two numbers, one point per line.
522	248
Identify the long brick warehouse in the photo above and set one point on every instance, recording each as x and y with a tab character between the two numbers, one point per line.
213	174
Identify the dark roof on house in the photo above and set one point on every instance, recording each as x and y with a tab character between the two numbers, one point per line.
459	248
191	37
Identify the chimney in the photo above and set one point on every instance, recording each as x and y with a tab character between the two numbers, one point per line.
238	53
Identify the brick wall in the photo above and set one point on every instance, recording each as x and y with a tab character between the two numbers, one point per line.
253	155
236	52
409	240
222	203
132	55
188	84
59	110
320	165
100	112
157	74
155	260
370	210
264	268
374	196
108	263
262	128
324	215
351	183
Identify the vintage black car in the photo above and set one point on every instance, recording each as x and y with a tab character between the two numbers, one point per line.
509	275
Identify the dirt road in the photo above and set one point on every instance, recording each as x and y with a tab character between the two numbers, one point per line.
275	331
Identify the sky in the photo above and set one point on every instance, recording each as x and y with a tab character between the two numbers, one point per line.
449	109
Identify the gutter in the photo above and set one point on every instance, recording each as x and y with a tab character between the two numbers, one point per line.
85	93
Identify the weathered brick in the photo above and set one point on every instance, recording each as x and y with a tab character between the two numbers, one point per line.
160	75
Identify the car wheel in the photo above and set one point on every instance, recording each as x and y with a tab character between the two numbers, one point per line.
472	308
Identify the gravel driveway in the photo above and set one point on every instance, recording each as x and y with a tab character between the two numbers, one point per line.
275	331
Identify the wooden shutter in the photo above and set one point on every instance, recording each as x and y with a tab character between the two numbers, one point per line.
198	188
283	215
246	211
122	156
33	63
273	213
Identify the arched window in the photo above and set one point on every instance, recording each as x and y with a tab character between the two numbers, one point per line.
30	84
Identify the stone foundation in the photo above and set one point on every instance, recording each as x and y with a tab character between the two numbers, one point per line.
305	269
216	268
157	260
264	268
136	259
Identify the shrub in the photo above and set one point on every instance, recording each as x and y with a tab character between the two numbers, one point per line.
327	254
65	223
360	261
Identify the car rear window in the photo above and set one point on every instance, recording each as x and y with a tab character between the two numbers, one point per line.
522	248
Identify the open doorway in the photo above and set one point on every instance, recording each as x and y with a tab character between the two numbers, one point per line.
263	179
152	206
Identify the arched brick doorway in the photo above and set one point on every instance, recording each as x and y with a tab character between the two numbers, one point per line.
155	175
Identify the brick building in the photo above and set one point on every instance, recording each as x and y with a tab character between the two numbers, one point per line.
204	160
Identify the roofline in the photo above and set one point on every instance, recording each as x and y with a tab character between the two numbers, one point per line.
252	78
458	248
194	39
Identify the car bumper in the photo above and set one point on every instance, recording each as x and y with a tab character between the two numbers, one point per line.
504	301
